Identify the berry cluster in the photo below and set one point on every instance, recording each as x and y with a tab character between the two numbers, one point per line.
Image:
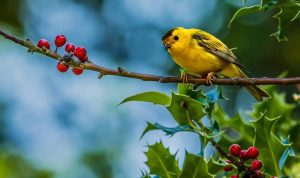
252	169
80	52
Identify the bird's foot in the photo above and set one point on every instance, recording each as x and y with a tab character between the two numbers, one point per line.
210	78
185	78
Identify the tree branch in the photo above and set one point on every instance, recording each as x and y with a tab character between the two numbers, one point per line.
145	77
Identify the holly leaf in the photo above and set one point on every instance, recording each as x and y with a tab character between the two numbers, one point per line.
184	108
288	11
243	11
169	131
194	166
276	107
236	129
199	96
270	147
161	162
186	89
214	166
151	97
149	128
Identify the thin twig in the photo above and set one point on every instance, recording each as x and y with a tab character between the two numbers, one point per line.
146	77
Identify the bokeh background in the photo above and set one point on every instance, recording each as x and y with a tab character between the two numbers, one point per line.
65	126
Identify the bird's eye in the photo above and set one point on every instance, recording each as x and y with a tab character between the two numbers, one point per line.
176	37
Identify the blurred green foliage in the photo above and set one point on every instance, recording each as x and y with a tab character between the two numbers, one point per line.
14	166
10	14
99	163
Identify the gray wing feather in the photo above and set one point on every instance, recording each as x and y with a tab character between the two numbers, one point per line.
214	48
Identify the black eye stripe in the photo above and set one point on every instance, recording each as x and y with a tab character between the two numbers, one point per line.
168	33
176	37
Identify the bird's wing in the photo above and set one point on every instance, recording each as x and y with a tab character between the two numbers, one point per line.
215	46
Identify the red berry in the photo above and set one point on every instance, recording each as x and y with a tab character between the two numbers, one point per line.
80	52
70	47
227	168
253	152
43	43
235	149
62	67
60	40
77	71
84	59
244	154
256	164
234	176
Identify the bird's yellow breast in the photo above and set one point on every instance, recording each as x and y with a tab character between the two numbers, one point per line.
196	60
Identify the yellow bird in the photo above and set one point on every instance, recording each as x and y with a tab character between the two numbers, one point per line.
201	54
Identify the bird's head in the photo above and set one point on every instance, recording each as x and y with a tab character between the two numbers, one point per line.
174	39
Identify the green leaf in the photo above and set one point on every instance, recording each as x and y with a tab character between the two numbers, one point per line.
237	129
170	131
194	166
270	147
289	10
184	89
274	107
149	128
184	109
243	11
213	166
161	162
151	97
285	16
199	96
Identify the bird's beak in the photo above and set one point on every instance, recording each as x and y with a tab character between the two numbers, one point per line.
167	46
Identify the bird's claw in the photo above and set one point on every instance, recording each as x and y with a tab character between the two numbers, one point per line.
210	78
184	78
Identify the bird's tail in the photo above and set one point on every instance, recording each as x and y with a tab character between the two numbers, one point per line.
257	92
234	71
